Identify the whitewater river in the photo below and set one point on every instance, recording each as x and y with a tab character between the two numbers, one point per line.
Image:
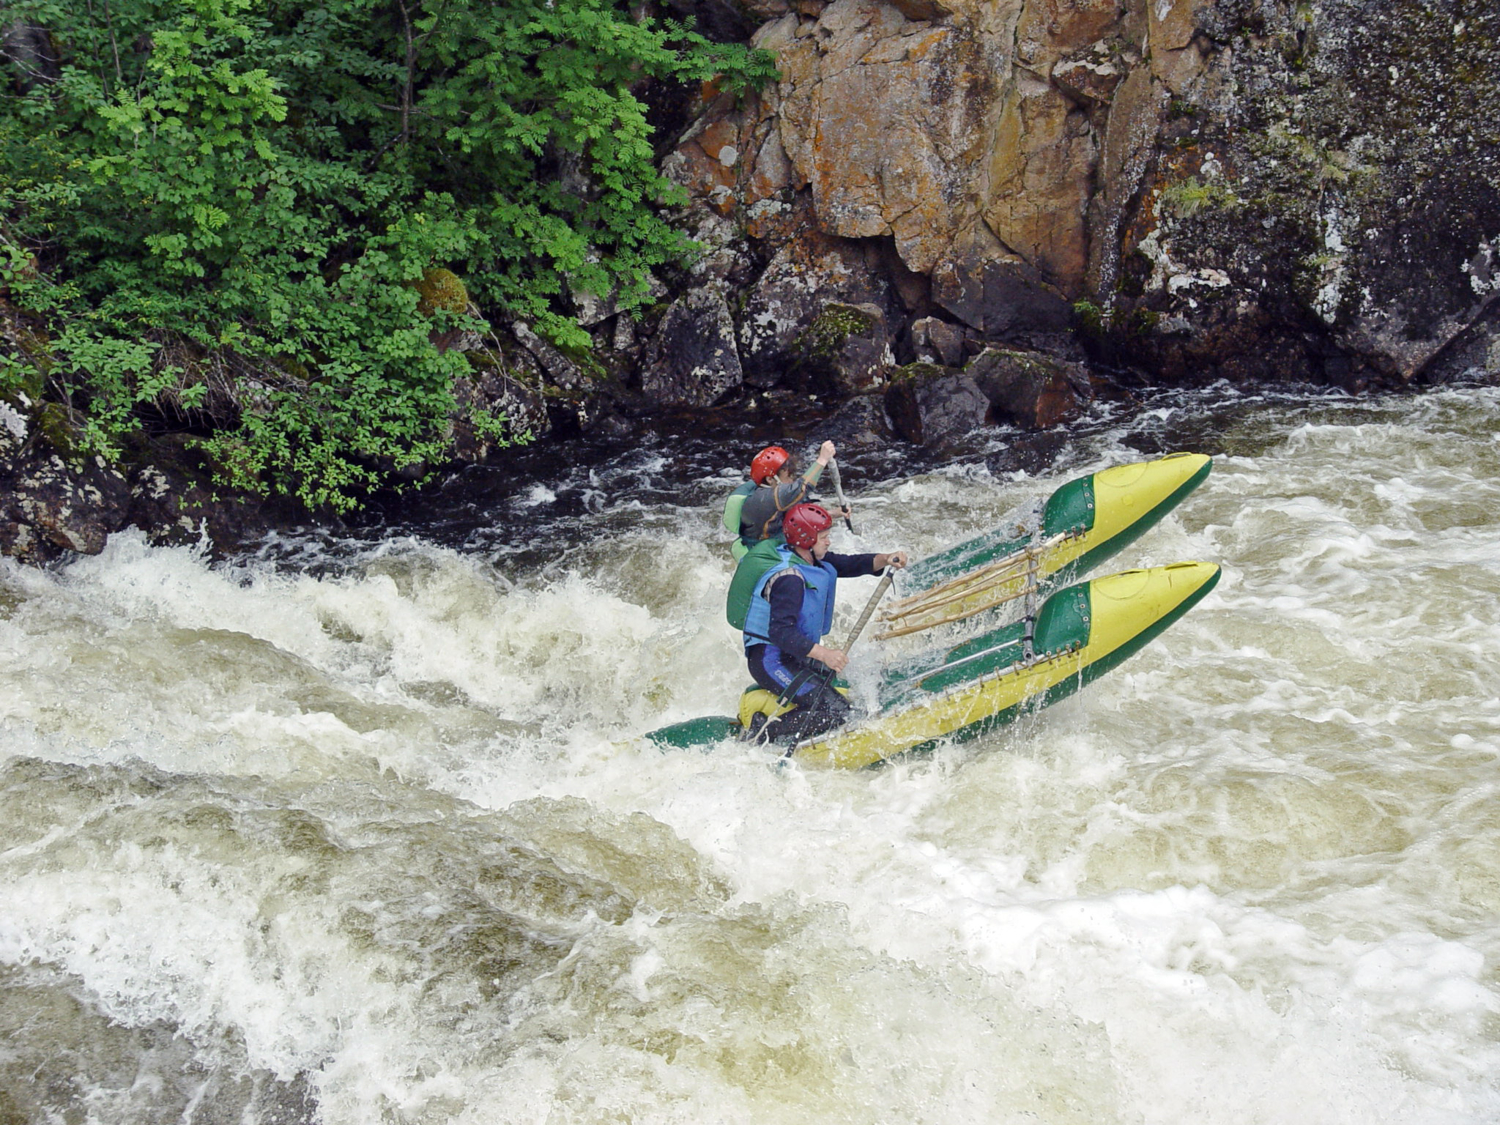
358	828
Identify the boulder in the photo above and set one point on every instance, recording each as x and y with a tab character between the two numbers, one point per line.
560	369
859	423
1473	357
844	351
933	405
936	341
693	360
724	260
799	282
49	506
1028	388
591	309
174	502
1002	299
494	388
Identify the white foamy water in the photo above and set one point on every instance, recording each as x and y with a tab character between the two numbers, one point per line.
383	844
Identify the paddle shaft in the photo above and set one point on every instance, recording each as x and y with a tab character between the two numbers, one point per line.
838	490
864	618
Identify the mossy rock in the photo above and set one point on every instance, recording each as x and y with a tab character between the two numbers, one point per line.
916	372
1092	320
1101	325
583	358
440	289
488	363
825	336
56	427
31	348
1027	362
298	370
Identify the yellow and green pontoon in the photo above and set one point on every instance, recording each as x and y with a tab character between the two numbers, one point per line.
1078	634
1082	523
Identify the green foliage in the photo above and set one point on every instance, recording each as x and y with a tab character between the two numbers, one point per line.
1192	195
1092	320
1099	323
262	188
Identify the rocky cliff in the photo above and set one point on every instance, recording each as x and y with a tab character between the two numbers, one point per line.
1200	189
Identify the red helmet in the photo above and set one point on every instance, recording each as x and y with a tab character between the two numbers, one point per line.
803	523
767	463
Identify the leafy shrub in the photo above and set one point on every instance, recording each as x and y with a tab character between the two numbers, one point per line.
261	189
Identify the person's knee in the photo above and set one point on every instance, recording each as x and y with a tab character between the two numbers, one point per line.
824	700
813	714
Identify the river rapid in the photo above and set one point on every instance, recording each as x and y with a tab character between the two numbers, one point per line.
358	828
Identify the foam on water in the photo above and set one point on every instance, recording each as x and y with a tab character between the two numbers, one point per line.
379	843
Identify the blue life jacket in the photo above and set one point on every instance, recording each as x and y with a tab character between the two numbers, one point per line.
819	581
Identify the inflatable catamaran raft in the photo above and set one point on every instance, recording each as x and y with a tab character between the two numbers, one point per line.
1064	639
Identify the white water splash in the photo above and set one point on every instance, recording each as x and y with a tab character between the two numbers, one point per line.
1250	876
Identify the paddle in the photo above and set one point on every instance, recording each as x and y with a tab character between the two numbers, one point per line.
886	578
838	490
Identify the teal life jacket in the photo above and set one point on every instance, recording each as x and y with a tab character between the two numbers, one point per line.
753	563
820	583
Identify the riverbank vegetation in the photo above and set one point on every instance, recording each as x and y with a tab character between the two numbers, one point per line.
245	219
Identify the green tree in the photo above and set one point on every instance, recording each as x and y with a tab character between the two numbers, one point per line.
231	200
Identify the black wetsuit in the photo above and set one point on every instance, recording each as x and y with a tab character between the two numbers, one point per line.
819	707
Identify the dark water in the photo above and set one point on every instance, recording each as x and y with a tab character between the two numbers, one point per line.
533	504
